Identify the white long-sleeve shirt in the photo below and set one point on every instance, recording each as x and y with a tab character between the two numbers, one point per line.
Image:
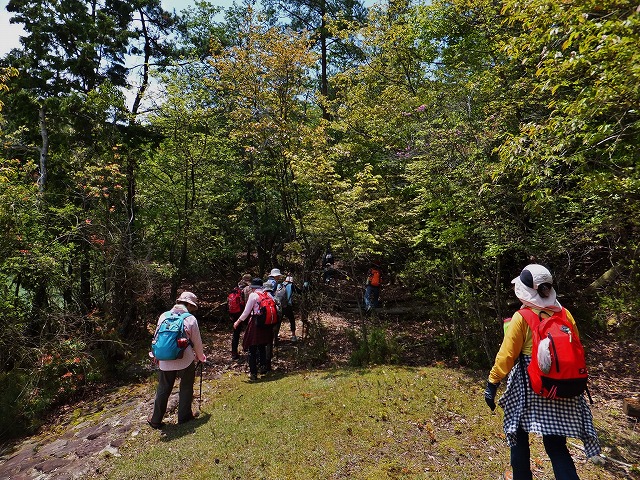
252	305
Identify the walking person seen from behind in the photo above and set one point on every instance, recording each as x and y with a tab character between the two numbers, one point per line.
372	289
288	312
256	338
525	411
236	301
183	367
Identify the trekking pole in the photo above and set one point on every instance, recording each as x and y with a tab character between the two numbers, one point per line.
200	394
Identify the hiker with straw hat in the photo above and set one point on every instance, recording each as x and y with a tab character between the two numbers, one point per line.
184	367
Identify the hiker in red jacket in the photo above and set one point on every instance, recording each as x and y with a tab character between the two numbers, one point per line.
525	411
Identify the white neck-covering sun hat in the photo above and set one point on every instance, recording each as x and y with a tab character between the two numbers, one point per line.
526	288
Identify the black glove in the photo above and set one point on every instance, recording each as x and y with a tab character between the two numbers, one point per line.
490	394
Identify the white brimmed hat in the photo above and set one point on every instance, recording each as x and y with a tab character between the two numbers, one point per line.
188	297
275	272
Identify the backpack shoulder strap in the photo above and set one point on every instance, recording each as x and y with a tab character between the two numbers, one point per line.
182	317
533	321
261	296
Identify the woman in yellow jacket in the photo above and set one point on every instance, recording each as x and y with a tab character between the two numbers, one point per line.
524	411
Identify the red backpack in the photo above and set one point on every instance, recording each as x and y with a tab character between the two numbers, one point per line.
267	307
235	301
375	277
558	368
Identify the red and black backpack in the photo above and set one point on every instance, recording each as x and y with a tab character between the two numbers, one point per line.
235	301
268	314
558	368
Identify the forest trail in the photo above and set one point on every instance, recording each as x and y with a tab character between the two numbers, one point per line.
82	438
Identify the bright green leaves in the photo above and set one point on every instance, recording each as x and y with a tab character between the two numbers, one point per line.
262	82
587	68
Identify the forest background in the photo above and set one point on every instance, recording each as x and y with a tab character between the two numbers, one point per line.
453	141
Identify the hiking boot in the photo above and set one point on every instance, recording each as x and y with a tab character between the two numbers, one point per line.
185	420
294	338
253	377
156	426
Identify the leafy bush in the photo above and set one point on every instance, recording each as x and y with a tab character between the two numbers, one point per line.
375	349
316	350
13	422
56	371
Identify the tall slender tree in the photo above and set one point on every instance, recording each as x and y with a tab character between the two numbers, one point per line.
263	84
326	20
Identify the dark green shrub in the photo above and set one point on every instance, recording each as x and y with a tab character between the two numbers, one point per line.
316	345
375	348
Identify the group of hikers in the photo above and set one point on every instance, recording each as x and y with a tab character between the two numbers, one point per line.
537	399
258	305
253	299
373	282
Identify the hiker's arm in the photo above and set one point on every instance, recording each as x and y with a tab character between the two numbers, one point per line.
248	308
573	323
510	349
192	329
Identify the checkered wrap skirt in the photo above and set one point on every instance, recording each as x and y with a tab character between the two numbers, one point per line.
569	417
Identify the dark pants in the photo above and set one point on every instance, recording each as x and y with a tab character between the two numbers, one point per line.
235	339
276	331
166	380
287	312
257	357
371	296
556	448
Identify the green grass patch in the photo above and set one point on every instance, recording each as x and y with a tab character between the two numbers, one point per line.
382	422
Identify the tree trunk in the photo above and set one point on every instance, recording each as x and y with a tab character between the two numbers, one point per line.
85	281
44	149
125	283
324	81
606	278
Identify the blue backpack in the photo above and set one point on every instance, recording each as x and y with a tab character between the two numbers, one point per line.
168	343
